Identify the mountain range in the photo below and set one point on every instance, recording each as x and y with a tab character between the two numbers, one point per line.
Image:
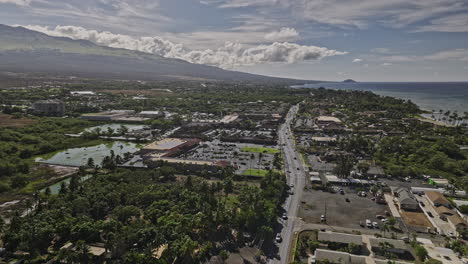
27	51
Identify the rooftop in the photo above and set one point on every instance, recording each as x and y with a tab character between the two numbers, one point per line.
437	197
340	238
165	144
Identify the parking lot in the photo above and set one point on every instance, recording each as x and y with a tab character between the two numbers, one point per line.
338	211
233	153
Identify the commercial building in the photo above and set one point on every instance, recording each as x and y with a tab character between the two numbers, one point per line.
103	116
326	120
151	114
169	145
48	107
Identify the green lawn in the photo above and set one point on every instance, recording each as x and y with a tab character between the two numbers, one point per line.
259	150
254	172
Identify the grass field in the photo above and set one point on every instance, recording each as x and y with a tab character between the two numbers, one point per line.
9	121
255	172
259	150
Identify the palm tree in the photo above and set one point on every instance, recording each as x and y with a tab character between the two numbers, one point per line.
82	251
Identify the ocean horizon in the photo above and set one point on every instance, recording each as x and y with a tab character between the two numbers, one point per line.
428	96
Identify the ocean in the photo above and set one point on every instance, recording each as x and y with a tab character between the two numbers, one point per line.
427	95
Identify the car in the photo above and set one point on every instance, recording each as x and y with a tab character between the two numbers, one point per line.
347	200
341	192
278	238
379	216
322	218
451	234
384	220
285	216
375	224
368	223
406	239
361	223
295	158
297	168
422	204
430	214
291	185
289	171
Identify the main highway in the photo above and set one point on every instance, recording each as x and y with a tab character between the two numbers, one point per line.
295	173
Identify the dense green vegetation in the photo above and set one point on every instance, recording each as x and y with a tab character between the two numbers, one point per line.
19	145
416	156
132	213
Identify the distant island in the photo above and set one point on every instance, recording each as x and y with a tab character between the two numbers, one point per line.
349	81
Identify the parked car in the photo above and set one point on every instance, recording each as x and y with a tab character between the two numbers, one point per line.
285	216
347	200
322	218
375	225
430	214
368	223
379	216
278	238
422	204
361	223
406	239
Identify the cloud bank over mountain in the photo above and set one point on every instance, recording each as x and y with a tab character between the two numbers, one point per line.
227	56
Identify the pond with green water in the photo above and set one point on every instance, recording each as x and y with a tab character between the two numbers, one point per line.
79	156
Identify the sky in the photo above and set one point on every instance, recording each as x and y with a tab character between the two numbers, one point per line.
365	40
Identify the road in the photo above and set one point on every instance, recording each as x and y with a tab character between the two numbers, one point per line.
295	172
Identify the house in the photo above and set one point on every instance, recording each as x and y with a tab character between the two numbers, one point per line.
405	198
341	238
456	222
443	211
437	199
338	257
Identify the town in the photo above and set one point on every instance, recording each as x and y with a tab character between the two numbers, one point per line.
207	172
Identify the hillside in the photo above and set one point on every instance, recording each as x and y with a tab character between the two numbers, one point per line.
24	50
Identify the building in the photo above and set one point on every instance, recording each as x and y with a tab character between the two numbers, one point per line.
437	199
48	107
456	222
382	246
338	257
406	199
341	238
103	116
151	114
326	120
190	165
438	182
82	93
169	145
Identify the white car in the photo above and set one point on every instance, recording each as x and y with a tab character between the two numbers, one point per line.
375	224
322	218
278	238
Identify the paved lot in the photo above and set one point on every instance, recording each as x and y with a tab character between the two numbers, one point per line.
338	211
231	152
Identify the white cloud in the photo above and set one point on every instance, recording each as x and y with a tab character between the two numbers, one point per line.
229	55
284	34
16	2
386	64
357	60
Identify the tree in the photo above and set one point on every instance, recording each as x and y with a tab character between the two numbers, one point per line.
363	167
90	163
82	251
344	165
228	186
420	252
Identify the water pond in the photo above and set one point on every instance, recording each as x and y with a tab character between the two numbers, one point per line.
79	156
